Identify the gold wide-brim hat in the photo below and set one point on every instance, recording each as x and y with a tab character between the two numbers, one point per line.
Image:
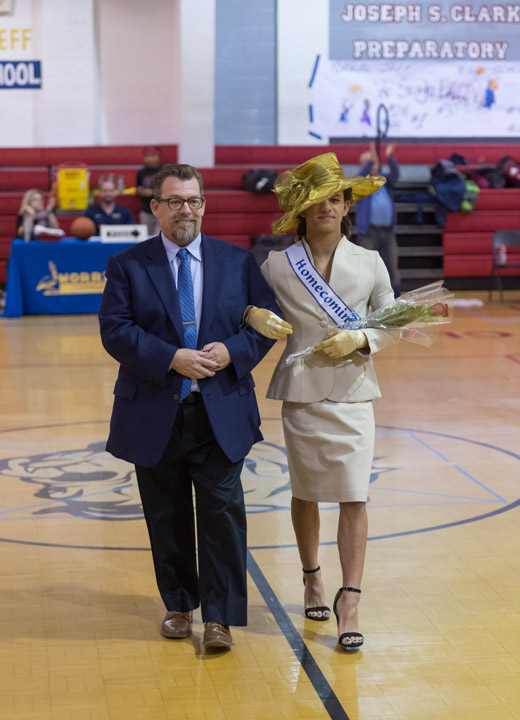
314	181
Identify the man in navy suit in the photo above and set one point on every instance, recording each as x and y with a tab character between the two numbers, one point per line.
199	441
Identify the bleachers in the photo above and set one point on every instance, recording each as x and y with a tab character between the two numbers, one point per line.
466	250
235	215
231	214
468	239
25	168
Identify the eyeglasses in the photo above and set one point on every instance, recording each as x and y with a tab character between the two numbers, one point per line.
194	203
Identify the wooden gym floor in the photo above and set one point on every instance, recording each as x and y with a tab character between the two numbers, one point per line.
440	608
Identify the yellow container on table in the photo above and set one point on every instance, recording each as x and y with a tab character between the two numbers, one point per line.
73	186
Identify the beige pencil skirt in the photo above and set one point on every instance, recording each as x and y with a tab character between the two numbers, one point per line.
330	448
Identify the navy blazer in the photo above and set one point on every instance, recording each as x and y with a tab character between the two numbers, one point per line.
141	327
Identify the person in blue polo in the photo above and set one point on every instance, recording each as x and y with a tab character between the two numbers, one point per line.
376	215
107	212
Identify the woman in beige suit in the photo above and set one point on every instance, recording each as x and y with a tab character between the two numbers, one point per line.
327	394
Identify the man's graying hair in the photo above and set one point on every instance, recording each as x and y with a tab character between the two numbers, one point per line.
178	170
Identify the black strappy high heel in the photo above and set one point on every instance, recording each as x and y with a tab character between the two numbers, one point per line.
356	638
319	608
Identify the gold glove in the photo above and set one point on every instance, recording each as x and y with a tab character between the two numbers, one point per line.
267	323
341	344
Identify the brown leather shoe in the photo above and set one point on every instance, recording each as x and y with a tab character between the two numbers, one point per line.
217	635
176	624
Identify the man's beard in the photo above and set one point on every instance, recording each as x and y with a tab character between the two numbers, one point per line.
184	236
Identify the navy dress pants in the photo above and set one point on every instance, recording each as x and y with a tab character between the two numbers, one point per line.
194	464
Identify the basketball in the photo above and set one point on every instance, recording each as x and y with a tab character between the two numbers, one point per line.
82	228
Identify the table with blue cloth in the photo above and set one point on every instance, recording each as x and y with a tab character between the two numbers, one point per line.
62	277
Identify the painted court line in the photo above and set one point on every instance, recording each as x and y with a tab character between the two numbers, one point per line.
458	468
319	682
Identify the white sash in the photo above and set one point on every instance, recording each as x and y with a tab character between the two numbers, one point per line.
320	290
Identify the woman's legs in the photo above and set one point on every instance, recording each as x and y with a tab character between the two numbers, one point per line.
306	522
352	542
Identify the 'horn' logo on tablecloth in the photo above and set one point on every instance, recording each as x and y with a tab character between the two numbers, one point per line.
71	283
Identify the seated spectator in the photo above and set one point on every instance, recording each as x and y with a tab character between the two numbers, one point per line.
32	212
144	182
107	212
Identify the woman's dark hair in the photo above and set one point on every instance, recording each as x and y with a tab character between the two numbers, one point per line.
346	222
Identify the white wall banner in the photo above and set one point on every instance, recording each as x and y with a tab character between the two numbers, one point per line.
423	31
302	34
19	75
441	69
47	72
16	42
426	99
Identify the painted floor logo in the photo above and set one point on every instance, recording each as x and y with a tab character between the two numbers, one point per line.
87	483
91	484
413	470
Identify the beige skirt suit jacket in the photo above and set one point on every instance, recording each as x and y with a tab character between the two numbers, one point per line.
327	412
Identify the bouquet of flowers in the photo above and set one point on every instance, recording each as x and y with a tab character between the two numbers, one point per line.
416	314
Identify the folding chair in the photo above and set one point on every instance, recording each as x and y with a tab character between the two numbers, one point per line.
509	239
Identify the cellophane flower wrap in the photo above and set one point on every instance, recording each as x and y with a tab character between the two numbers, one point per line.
416	314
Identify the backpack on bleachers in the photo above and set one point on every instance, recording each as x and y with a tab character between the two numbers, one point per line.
510	169
259	180
457	159
477	177
494	177
448	186
470	197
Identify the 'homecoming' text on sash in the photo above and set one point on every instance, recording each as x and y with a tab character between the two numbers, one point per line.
320	290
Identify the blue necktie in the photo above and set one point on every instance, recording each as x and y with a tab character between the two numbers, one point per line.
185	292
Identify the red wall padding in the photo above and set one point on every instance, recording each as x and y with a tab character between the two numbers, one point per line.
467	243
8	226
222	177
472	265
467	265
24	179
5	246
132	202
411	153
220	224
240	201
498	199
10	203
479	221
100	155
